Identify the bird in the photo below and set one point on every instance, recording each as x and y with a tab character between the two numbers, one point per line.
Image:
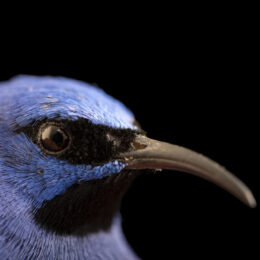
68	154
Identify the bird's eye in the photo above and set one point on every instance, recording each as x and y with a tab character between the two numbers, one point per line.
54	139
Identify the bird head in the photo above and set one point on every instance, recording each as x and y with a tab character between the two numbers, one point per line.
69	151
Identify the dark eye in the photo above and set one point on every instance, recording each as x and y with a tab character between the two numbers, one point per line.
53	138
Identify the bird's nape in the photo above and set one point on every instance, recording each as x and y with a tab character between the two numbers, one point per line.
146	153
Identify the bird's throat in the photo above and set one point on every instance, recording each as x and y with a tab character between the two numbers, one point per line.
85	208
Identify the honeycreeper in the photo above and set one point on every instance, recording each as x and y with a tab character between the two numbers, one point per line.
68	153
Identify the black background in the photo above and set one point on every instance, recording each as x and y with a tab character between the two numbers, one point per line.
194	85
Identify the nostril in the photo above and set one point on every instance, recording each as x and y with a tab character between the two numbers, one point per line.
139	146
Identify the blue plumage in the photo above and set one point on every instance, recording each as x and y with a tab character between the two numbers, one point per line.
25	99
29	177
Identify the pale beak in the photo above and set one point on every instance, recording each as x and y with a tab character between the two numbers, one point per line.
151	154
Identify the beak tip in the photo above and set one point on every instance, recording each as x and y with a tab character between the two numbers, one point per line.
250	200
253	204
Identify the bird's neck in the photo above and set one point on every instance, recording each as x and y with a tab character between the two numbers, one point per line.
76	225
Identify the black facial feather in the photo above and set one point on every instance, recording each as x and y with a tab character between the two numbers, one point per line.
89	144
85	208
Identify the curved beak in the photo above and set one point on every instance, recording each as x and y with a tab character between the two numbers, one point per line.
147	153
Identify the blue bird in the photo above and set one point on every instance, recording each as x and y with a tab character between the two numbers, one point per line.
68	153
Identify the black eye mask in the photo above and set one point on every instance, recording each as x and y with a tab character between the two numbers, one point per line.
81	142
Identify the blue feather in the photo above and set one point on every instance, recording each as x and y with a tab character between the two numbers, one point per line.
26	99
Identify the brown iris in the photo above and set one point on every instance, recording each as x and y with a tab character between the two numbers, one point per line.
54	139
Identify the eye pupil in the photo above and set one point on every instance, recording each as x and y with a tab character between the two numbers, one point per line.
58	138
54	139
